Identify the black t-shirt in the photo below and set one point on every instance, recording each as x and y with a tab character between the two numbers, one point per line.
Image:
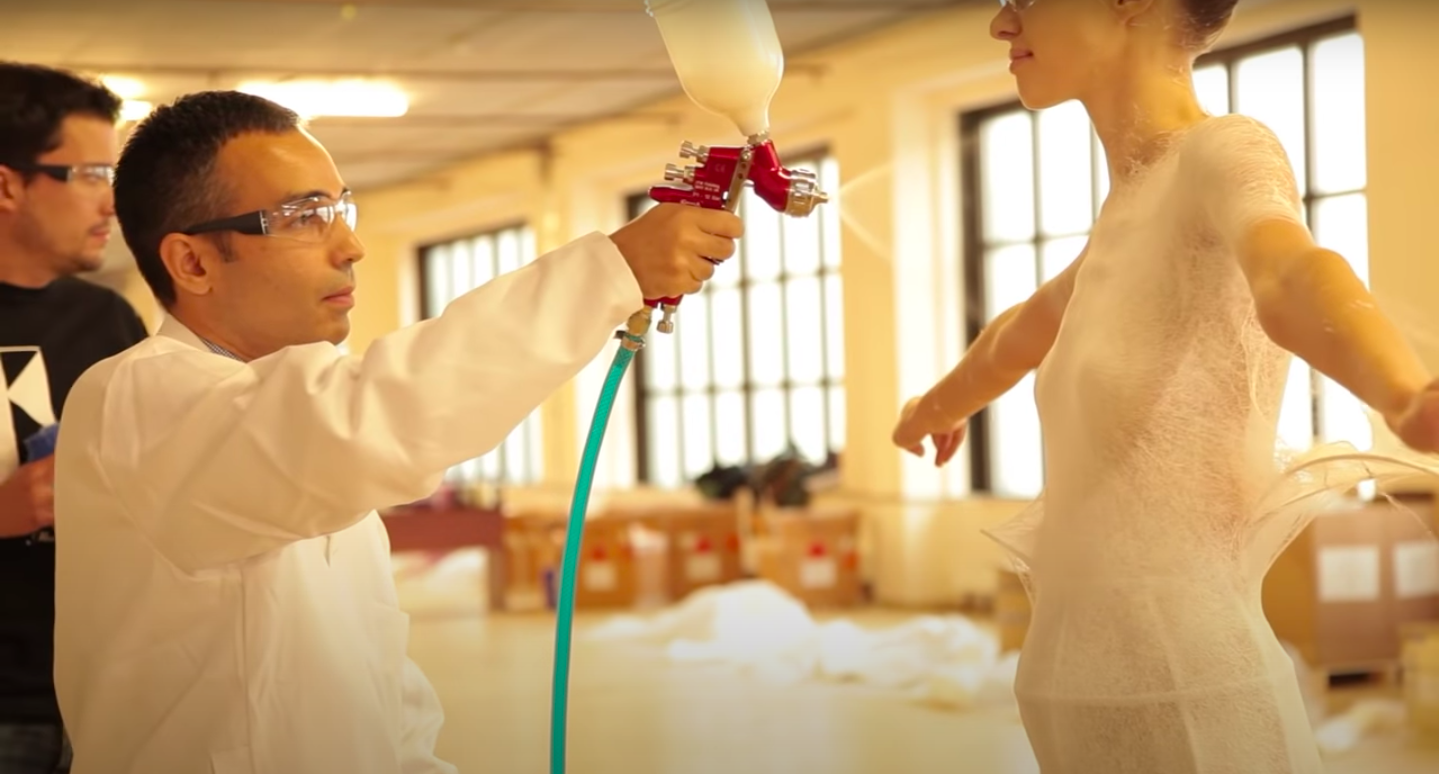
48	338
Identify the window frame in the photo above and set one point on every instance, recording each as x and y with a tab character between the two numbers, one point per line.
533	474
973	244
421	250
811	157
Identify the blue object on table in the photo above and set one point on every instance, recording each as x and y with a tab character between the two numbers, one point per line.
41	444
551	590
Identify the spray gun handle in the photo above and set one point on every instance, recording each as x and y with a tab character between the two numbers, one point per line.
685	193
696	190
714	182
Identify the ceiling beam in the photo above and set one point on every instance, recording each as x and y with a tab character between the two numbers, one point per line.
412	155
440	121
618	6
591	75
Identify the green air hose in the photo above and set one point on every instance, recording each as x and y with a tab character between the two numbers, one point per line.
565	600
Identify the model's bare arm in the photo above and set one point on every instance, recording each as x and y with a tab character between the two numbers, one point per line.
1311	303
1010	346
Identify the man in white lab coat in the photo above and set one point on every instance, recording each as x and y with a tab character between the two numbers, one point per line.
224	596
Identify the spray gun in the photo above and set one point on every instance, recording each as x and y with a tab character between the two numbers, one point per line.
718	180
729	60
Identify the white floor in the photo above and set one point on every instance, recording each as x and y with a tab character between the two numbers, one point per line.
632	712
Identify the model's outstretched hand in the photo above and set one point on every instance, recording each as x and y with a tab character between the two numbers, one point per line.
917	422
1418	426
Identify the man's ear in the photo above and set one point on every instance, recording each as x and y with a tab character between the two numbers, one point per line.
188	259
12	189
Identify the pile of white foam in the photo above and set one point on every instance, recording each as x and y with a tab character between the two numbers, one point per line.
763	631
944	661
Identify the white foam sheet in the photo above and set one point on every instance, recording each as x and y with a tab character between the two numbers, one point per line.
761	630
1343	732
944	661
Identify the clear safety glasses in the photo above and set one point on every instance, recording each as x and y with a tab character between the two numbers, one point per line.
96	174
303	220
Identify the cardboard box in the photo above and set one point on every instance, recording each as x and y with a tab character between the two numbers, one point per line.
702	542
622	562
811	554
532	543
704	548
622	565
1344	588
1421	680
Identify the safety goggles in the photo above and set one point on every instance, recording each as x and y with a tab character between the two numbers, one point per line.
100	174
303	220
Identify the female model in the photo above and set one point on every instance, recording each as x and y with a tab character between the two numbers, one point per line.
1162	353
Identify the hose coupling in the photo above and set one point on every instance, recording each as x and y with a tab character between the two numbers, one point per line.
633	336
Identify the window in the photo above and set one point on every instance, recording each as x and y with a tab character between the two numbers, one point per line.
1034	182
448	271
756	360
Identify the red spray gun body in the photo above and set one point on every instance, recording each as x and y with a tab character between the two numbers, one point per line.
717	181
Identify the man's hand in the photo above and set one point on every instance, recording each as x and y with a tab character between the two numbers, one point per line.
918	421
27	499
667	247
1418	425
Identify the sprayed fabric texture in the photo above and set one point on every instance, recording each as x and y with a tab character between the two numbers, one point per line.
1165	501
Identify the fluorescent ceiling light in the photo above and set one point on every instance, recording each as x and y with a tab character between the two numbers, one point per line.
134	110
349	98
124	88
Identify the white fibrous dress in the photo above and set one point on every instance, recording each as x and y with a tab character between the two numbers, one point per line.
1166	501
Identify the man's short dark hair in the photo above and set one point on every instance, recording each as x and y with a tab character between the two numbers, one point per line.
35	101
165	181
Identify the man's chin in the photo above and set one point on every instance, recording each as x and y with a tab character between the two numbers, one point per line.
86	263
338	332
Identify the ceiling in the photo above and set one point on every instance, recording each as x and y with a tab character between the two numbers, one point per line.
481	75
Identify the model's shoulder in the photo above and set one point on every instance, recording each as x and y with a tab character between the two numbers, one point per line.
1235	149
1234	122
1233	133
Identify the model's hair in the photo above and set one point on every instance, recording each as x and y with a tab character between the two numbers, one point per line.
1205	20
34	103
165	181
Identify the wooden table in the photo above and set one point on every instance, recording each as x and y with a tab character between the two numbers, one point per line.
443	529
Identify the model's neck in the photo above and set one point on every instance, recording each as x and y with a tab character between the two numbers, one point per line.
22	267
1134	117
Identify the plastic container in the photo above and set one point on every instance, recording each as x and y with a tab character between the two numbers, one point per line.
727	56
1421	680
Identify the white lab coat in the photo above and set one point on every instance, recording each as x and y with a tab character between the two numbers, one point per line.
224	597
